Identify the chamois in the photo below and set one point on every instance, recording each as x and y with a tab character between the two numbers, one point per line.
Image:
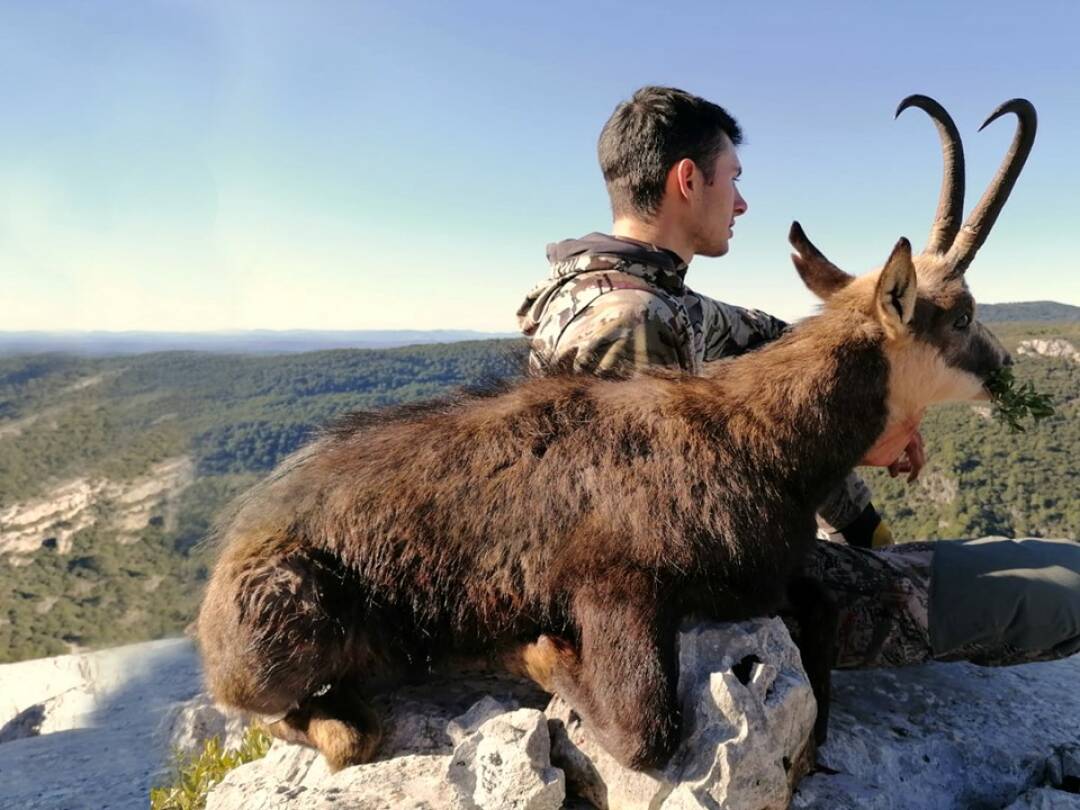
561	527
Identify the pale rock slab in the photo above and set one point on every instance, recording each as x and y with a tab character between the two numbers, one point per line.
502	760
93	730
81	730
748	713
187	725
295	778
507	763
949	737
1056	347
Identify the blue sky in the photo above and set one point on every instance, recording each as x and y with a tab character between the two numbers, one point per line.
228	165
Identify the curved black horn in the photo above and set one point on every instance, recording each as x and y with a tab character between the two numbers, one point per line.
951	200
978	224
820	276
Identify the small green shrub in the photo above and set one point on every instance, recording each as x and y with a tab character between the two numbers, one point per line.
1014	402
194	774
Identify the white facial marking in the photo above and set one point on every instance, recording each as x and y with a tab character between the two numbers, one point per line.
920	377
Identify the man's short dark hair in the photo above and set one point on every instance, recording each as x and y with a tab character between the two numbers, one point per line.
650	133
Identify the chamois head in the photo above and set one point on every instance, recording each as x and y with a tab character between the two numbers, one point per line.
937	349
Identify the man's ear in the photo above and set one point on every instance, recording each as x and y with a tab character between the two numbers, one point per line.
896	290
820	276
682	177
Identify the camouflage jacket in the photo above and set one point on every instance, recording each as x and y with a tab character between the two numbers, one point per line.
613	303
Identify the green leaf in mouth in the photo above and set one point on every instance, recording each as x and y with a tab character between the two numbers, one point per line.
1012	403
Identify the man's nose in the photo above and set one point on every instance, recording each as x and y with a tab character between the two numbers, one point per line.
740	204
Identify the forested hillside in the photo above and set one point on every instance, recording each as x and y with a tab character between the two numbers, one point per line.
112	469
980	478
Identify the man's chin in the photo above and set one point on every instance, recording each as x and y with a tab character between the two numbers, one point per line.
714	251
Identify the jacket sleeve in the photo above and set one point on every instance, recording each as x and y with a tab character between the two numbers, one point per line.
844	504
730	330
618	332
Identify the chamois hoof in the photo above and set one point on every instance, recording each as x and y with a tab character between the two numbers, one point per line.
644	748
544	661
346	731
344	743
647	755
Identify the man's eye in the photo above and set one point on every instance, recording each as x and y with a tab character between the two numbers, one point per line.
963	322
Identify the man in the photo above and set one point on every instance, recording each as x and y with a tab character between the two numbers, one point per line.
617	302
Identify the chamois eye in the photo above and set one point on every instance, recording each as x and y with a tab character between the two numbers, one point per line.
963	322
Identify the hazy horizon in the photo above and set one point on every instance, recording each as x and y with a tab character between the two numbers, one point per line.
317	330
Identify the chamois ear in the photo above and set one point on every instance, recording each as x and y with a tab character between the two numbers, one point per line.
820	276
897	288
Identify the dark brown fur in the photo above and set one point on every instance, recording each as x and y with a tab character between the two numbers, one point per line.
595	511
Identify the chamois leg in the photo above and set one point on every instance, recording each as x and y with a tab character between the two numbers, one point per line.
340	724
539	660
815	610
275	630
622	681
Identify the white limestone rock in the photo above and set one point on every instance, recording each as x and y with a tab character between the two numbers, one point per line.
1056	347
187	725
748	713
298	779
506	762
948	736
81	730
93	730
502	760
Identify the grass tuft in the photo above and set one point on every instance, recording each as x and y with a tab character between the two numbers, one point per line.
194	774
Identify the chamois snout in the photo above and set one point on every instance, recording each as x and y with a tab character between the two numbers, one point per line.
986	355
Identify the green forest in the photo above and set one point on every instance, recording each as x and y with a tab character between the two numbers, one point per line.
234	416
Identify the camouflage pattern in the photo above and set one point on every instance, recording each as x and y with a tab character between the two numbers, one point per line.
843	505
605	311
884	602
613	304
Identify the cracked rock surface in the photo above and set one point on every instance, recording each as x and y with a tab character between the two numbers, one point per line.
947	736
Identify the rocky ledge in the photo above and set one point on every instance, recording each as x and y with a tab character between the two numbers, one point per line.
94	730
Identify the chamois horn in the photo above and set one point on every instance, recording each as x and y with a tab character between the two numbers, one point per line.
978	224
951	200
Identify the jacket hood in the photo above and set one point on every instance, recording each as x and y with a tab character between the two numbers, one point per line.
628	249
597	252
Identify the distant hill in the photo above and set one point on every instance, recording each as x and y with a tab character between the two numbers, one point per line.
269	341
1029	311
257	341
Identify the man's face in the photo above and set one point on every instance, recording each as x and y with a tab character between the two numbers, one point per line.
717	204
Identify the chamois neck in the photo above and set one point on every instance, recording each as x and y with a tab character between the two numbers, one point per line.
811	403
